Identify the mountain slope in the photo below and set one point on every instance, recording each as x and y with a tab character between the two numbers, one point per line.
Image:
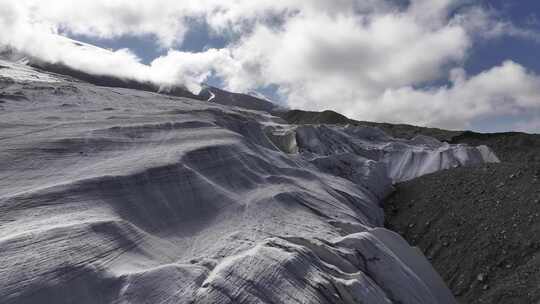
112	195
235	99
118	78
479	226
509	146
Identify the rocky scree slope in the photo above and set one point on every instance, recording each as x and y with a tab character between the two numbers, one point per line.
480	227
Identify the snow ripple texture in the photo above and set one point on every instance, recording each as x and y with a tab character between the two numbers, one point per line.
121	196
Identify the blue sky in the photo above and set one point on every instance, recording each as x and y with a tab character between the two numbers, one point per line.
524	13
458	64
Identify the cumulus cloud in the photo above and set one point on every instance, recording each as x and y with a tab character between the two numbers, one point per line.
370	59
32	28
486	23
508	89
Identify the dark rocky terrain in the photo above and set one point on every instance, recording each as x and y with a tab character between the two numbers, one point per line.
509	146
479	226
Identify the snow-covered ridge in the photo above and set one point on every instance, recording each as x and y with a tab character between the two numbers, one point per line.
134	75
111	195
22	73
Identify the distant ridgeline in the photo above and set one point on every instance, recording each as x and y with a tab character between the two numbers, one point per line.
508	146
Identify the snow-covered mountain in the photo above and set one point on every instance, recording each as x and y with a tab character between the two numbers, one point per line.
248	101
118	195
141	81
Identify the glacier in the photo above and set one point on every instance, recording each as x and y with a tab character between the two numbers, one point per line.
114	195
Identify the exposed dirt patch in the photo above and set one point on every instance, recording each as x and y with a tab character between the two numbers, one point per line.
479	226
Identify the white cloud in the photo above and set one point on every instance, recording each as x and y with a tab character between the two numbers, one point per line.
369	59
487	24
191	69
506	90
389	50
37	37
109	19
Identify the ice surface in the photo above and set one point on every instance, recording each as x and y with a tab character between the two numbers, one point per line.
112	195
22	73
404	159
